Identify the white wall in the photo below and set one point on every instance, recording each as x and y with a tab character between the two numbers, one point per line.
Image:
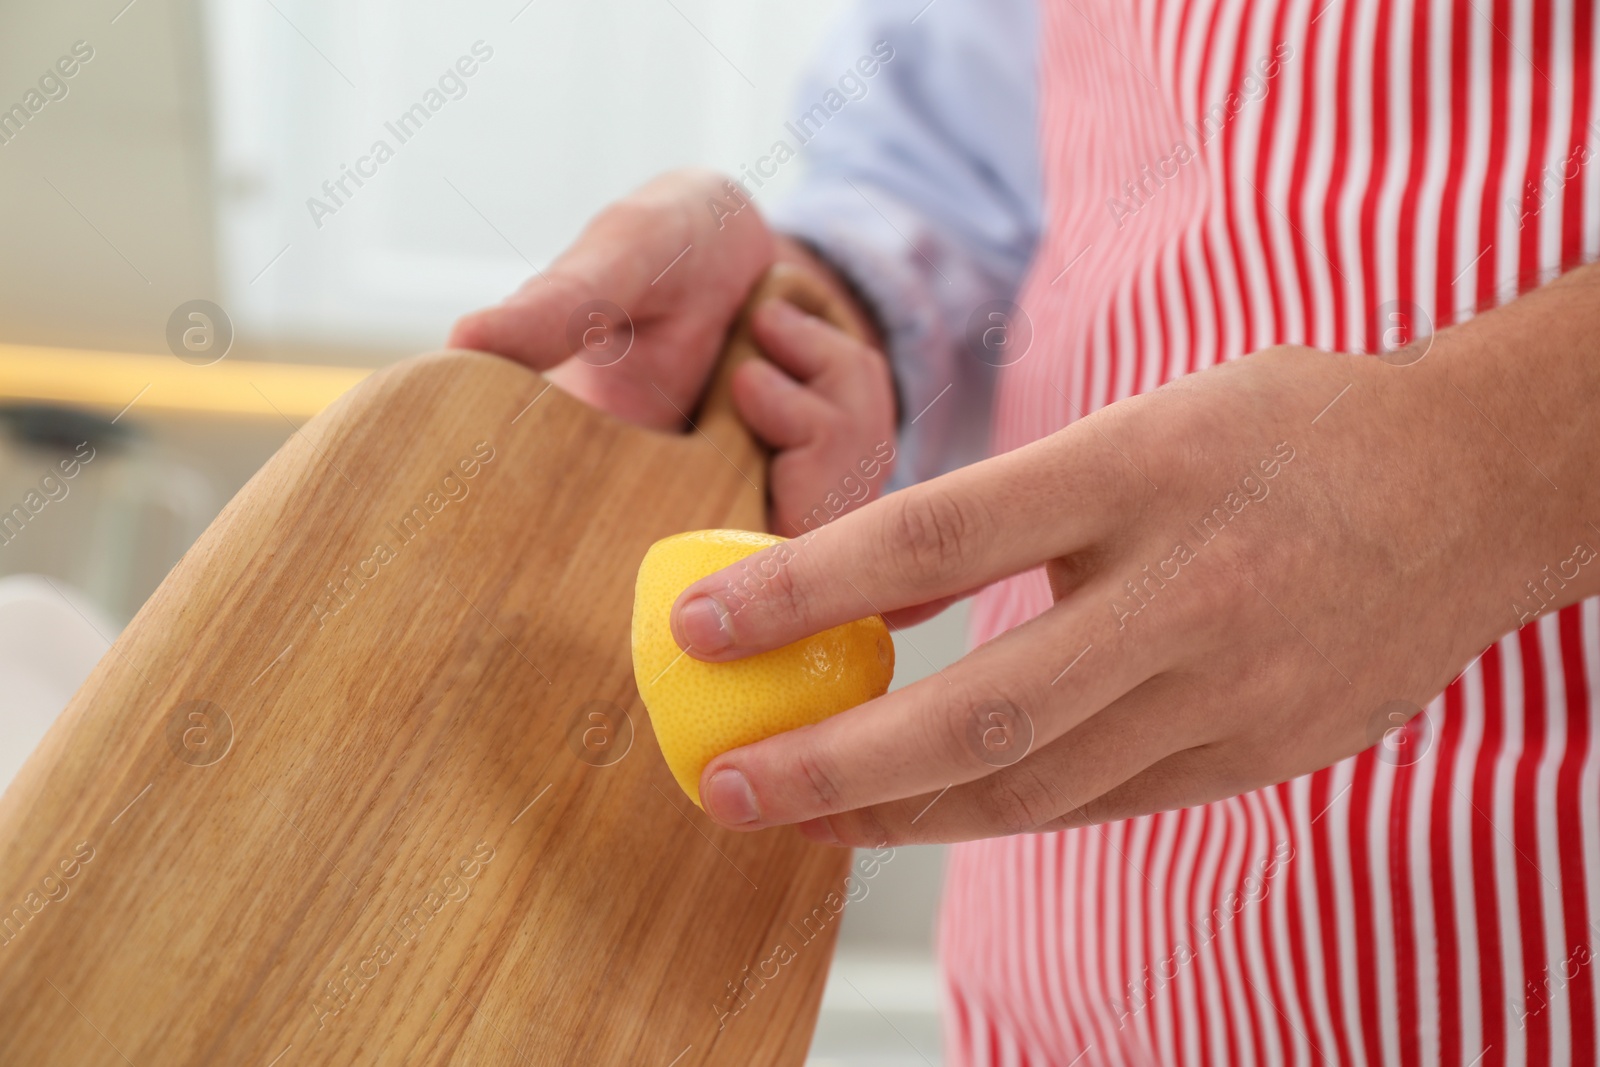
105	191
575	104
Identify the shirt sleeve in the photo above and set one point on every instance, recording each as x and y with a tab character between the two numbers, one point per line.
921	185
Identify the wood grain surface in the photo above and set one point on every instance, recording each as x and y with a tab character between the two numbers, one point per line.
367	780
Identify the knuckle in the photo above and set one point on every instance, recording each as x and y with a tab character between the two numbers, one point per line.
949	736
935	531
784	596
862	829
982	728
820	778
1019	801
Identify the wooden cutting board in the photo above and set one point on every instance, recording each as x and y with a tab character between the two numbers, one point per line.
367	780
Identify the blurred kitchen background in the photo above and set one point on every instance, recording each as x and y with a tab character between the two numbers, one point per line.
174	164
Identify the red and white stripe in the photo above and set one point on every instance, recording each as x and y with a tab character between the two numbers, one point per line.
1423	907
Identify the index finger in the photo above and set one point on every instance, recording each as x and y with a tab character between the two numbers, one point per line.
939	539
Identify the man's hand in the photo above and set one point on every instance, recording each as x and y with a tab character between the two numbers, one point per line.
1257	571
631	318
676	269
825	406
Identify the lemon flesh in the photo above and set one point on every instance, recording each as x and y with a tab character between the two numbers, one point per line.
701	710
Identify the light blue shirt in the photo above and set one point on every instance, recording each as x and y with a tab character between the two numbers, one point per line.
924	190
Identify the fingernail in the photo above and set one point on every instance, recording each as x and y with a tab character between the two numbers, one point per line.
818	832
730	800
704	624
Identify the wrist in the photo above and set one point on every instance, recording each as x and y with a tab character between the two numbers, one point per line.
1506	403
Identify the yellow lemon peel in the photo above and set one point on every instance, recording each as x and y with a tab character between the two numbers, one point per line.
701	710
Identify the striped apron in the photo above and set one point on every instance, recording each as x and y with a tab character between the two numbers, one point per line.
1222	176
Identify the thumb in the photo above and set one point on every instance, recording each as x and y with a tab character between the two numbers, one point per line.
548	319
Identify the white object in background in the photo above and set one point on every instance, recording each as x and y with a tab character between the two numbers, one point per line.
566	107
879	1010
50	639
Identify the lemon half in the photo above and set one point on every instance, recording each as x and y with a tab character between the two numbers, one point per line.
701	710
